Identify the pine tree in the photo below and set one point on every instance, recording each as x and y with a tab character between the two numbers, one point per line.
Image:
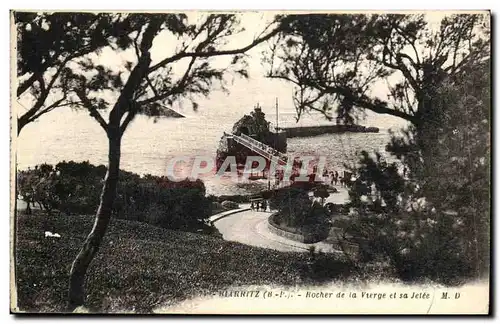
139	87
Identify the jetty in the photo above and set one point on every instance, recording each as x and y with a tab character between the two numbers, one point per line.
266	151
253	135
304	131
250	136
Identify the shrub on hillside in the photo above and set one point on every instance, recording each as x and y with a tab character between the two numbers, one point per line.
73	188
236	198
298	214
322	193
293	205
228	205
67	186
390	223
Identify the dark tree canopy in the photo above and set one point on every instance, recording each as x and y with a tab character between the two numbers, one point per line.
335	60
430	219
434	221
48	42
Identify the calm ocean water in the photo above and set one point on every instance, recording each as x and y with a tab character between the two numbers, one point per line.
149	145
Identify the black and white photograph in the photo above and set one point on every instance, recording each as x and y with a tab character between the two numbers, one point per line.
250	162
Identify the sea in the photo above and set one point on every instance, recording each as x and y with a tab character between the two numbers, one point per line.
149	144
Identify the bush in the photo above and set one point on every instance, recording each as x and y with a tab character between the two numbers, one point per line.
216	208
69	186
74	188
297	214
236	198
321	192
228	205
432	220
416	246
293	205
336	210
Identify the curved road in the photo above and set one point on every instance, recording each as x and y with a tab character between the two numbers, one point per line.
250	227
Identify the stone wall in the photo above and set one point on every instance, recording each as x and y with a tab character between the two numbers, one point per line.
303	238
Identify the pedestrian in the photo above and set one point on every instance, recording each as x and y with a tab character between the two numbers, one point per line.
264	205
336	177
257	206
252	206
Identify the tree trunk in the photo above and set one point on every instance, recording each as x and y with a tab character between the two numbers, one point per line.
93	241
21	122
28	208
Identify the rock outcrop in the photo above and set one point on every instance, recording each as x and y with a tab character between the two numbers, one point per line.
256	126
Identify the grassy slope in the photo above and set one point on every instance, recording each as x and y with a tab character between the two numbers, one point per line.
140	266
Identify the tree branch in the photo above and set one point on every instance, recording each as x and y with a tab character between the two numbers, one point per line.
97	116
123	104
174	90
155	92
27	84
136	47
92	110
282	77
400	66
125	100
48	109
195	54
406	56
130	116
407	74
382	108
28	116
377	106
452	69
412	44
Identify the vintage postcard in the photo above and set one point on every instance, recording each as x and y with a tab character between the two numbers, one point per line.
250	162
